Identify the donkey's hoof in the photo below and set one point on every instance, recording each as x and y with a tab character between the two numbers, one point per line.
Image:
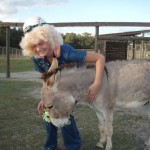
99	145
147	145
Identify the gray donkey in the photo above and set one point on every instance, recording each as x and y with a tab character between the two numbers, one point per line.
125	84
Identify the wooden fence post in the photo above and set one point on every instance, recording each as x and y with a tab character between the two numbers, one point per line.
96	38
134	52
7	52
142	45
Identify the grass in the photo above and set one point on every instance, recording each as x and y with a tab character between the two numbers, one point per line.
17	64
22	128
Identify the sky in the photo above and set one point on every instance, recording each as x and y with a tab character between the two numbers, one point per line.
56	11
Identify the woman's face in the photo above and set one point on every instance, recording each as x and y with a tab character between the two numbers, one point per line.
41	49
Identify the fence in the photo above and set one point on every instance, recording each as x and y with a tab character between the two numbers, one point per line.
14	52
142	51
98	37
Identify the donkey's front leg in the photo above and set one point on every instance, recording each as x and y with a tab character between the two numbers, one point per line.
108	128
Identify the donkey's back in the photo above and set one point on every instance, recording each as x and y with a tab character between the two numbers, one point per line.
125	82
129	82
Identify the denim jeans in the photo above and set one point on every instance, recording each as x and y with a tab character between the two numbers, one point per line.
71	137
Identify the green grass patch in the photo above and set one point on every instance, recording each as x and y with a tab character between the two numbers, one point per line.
17	64
22	129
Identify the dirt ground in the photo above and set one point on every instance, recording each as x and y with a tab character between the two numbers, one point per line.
23	76
140	128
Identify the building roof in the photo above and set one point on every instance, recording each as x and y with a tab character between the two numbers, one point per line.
131	33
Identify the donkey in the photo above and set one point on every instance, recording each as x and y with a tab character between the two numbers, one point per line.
125	84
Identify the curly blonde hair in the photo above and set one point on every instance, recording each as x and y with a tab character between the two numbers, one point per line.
46	33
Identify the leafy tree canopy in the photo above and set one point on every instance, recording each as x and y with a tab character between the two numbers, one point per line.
84	41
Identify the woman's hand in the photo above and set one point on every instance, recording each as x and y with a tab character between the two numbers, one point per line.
40	107
92	92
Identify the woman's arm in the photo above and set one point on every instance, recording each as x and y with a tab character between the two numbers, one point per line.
100	63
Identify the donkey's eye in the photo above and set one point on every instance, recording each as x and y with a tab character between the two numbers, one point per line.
50	107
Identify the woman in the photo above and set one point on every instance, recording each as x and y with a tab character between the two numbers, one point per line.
42	42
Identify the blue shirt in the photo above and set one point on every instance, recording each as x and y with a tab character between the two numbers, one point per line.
67	55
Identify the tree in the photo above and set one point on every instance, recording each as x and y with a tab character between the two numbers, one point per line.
2	36
71	38
85	41
15	37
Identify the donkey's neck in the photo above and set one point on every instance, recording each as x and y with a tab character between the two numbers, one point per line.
76	82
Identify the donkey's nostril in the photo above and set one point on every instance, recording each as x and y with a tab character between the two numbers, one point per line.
56	115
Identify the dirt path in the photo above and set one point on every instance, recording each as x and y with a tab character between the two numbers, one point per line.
24	76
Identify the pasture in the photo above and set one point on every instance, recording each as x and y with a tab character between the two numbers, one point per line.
22	128
16	64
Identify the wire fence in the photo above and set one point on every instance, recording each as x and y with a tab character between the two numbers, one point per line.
14	52
142	51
